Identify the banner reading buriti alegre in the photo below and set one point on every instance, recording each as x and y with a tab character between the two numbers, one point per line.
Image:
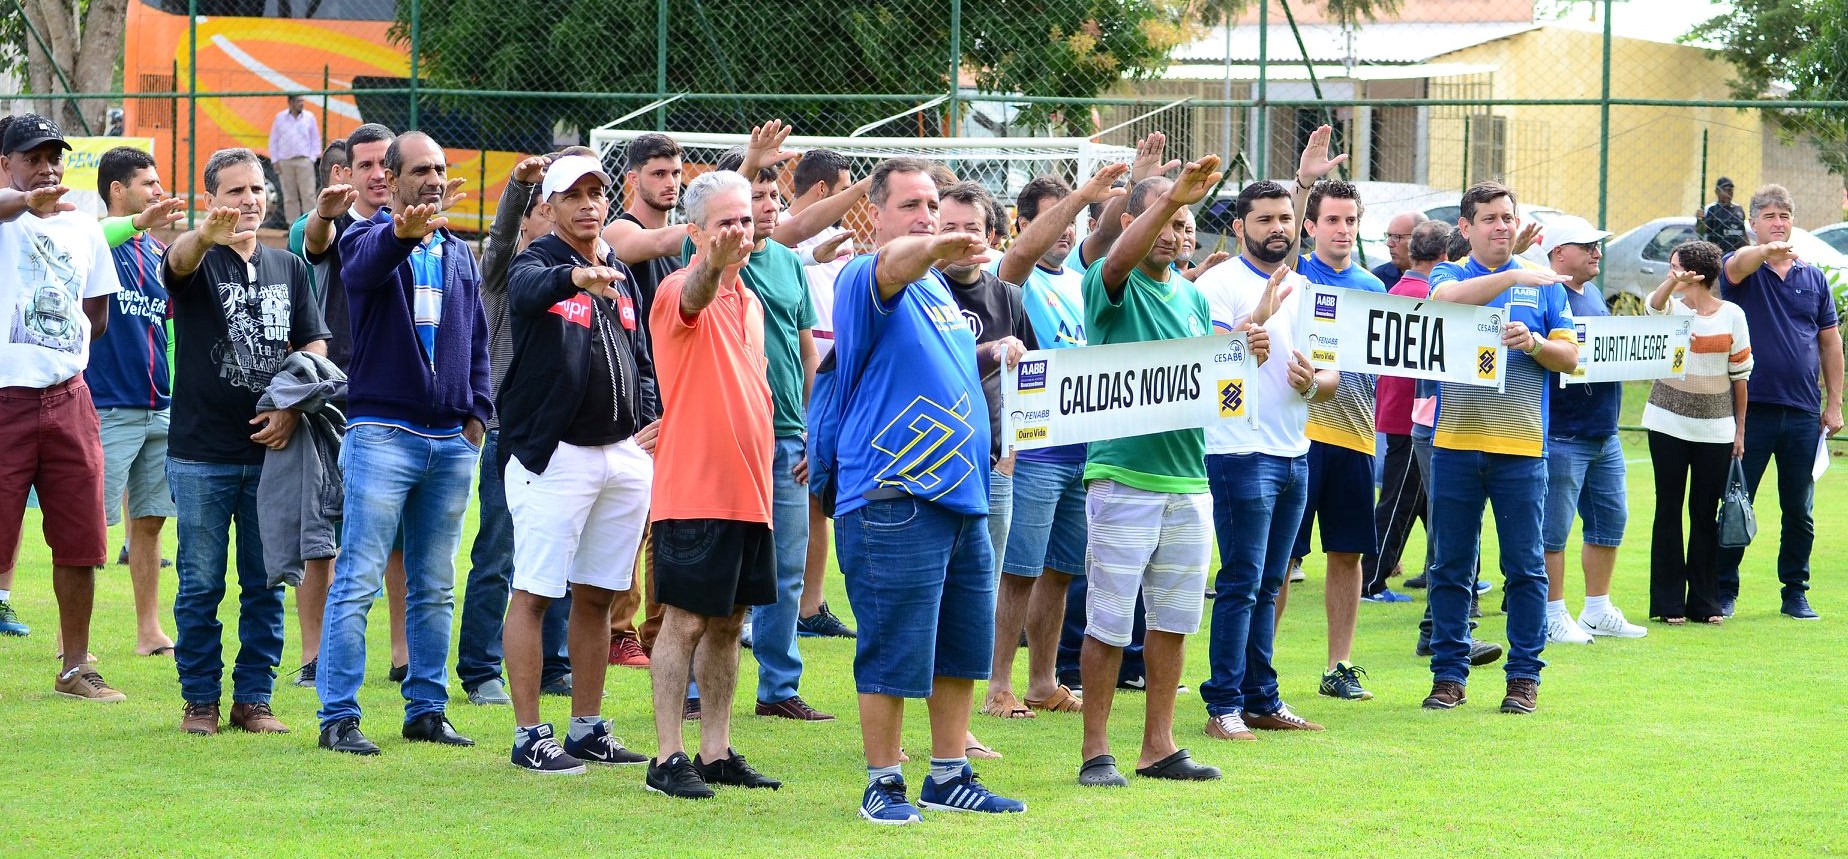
1391	335
1091	393
1625	348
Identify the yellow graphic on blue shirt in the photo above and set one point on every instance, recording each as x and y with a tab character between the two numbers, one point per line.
1513	420
924	445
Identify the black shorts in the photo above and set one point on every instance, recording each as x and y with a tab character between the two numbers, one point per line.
712	566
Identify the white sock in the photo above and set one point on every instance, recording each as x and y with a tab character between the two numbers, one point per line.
1597	606
874	774
582	726
945	769
524	733
6	593
1557	608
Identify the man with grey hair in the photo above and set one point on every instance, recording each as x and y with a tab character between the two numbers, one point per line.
239	308
1791	315
715	555
1398	244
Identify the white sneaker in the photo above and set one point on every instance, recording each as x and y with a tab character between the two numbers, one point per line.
1610	623
1296	570
1561	630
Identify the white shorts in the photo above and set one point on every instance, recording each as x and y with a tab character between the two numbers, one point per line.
1156	544
581	521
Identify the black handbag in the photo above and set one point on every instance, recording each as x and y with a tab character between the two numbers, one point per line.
1738	524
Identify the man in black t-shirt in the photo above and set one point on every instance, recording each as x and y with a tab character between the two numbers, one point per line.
1722	223
239	308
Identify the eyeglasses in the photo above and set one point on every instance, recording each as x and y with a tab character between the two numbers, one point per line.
1395	238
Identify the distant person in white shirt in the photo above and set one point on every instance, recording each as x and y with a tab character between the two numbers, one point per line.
294	142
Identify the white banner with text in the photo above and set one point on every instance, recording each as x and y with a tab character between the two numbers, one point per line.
1091	393
1357	331
1626	348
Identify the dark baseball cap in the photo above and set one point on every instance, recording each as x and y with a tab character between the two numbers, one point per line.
30	131
1723	183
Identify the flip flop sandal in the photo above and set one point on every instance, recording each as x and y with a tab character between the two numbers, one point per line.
980	752
163	650
1101	771
1179	767
1006	706
1060	701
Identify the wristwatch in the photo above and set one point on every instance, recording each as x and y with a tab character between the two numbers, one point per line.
1315	387
1538	345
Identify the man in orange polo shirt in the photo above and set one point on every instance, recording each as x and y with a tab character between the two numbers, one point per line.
714	556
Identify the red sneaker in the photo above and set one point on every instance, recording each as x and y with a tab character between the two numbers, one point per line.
627	652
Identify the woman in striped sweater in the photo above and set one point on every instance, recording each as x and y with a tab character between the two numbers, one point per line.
1696	428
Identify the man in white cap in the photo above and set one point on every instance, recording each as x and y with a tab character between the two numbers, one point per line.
578	479
1584	459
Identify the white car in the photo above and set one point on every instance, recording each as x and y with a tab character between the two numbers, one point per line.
1635	262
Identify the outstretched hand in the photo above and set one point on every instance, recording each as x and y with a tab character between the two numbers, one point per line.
49	200
335	199
164	213
1099	188
960	247
452	193
1315	162
767	144
531	170
220	228
727	246
597	280
1148	161
417	222
1196	179
1274	293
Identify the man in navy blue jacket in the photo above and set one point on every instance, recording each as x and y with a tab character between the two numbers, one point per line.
418	404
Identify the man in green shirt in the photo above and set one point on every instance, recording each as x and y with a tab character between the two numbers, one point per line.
1147	504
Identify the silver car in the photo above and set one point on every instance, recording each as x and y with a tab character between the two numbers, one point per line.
1636	262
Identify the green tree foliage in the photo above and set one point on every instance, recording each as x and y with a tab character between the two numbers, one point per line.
1793	48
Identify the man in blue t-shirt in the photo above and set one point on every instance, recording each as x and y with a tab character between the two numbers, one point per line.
901	428
1584	459
1791	315
130	387
1490	447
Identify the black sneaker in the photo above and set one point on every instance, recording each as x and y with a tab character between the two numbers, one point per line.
1418	581
540	753
677	777
1343	681
1138	683
733	771
560	685
1798	608
1071	680
1726	605
823	624
344	736
1483	652
304	676
599	747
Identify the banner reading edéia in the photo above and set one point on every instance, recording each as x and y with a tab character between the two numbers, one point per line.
1391	335
1626	348
1091	393
80	168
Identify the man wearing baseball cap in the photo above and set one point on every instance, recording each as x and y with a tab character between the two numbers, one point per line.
57	301
574	407
1722	223
1584	459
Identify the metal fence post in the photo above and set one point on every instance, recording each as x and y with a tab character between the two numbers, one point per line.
1262	162
955	61
1604	129
660	63
416	38
192	110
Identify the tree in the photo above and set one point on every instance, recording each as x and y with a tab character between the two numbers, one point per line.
1062	48
1794	48
63	46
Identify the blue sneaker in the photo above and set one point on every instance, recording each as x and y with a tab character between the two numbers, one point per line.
966	793
9	621
1483	586
885	803
1387	595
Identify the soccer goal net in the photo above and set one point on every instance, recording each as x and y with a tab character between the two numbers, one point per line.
1003	165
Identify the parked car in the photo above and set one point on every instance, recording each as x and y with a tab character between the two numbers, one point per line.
1635	262
1836	235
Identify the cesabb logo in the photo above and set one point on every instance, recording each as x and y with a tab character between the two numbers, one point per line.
1485	362
1231	398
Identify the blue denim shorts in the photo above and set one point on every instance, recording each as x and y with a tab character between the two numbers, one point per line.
1340	501
921	580
1049	528
1585	475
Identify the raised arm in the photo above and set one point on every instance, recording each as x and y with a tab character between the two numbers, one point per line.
44	201
1148	162
1310	168
1039	236
766	149
802	226
722	252
906	259
1747	259
1133	246
635	244
504	234
218	228
318	232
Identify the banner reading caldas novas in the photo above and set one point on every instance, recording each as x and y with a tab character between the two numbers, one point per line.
1091	393
1391	335
1623	348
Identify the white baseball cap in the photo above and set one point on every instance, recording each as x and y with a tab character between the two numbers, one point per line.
1568	230
566	171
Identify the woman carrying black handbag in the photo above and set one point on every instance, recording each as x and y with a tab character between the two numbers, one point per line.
1696	429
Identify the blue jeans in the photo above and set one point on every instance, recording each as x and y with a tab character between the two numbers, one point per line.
1258	502
1790	435
393	477
484	600
773	627
1516	486
209	497
1000	514
1584	476
921	579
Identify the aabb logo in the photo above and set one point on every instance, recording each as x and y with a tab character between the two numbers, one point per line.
576	309
1485	362
1231	398
1325	303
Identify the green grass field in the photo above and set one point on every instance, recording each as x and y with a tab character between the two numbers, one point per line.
1694	741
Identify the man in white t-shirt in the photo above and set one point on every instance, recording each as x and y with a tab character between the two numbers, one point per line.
1258	468
55	295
